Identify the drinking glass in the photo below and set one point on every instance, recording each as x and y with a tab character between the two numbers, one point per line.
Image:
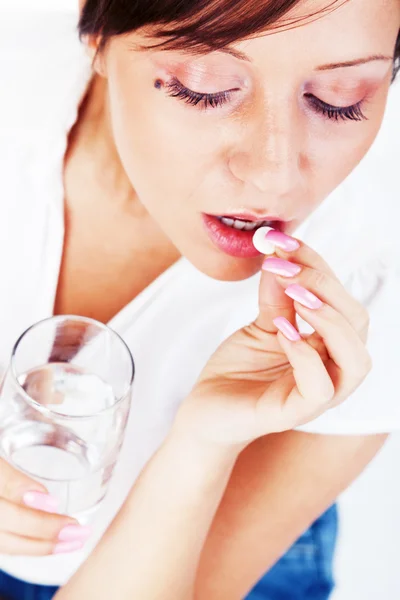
64	405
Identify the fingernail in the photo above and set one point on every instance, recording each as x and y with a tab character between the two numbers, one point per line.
281	267
303	296
287	329
283	241
41	501
74	533
67	547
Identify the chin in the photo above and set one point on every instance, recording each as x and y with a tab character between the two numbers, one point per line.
226	268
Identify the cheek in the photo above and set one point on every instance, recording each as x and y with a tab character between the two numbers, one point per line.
337	148
160	144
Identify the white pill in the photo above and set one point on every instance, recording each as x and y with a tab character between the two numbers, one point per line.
260	243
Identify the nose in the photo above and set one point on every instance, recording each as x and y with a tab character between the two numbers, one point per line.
268	156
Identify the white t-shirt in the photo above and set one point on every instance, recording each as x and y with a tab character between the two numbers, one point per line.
176	323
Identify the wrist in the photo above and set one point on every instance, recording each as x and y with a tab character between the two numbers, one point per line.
197	445
201	419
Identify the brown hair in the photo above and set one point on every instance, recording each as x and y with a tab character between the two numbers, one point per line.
197	25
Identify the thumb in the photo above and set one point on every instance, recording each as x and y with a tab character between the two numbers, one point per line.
272	303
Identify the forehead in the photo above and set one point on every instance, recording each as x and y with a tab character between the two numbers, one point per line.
309	11
344	28
323	31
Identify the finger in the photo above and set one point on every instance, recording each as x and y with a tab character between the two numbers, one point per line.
331	291
32	523
15	545
304	394
303	254
348	352
21	546
14	484
316	342
318	277
273	302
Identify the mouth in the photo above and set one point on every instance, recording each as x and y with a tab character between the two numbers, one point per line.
234	236
249	224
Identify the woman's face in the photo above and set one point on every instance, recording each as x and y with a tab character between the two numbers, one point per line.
271	135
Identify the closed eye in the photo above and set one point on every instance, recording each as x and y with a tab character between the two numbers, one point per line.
336	113
177	90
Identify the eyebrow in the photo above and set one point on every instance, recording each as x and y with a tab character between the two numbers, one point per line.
349	63
235	53
355	62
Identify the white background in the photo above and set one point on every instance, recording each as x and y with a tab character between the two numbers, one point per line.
51	4
368	558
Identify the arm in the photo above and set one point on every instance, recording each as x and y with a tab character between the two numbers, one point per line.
279	486
152	549
256	383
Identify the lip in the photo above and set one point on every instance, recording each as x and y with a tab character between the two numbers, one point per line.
252	217
234	242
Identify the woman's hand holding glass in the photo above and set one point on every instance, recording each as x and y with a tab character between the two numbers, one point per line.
29	524
258	381
64	405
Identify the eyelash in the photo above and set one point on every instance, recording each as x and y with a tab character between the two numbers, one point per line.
176	89
336	113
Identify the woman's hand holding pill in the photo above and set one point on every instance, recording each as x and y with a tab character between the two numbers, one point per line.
266	377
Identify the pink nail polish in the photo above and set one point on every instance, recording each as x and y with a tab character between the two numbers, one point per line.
74	533
283	241
67	547
278	266
41	501
303	296
287	329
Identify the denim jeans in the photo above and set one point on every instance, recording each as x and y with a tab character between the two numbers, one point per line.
303	573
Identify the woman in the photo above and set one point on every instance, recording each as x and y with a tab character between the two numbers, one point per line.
115	180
